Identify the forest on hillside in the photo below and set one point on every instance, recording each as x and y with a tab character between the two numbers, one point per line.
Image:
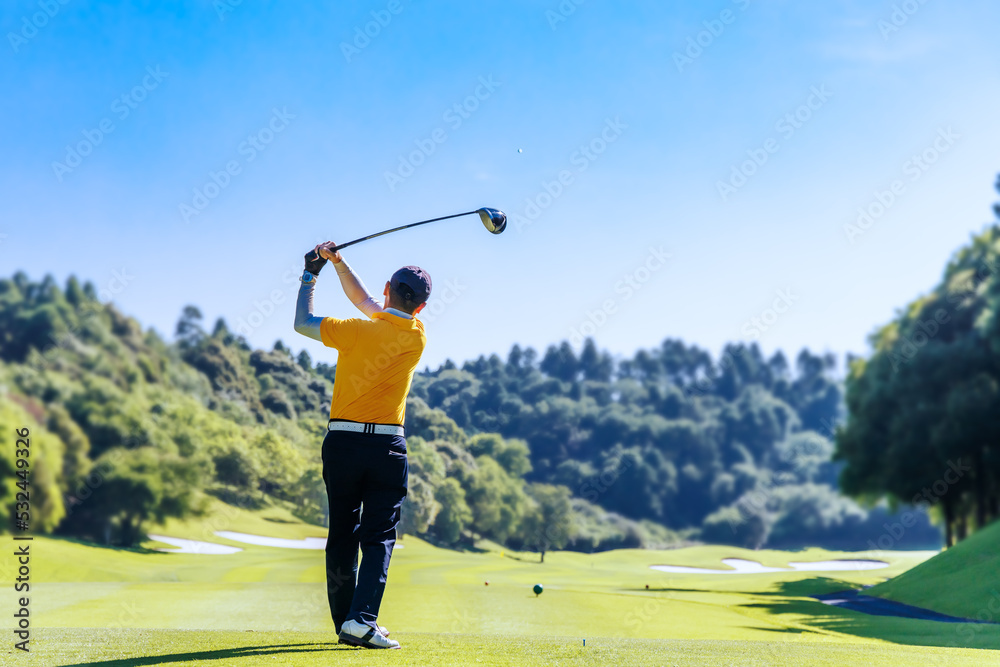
561	449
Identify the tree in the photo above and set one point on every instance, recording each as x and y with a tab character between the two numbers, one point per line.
730	525
497	500
596	366
421	510
235	467
45	461
135	486
924	409
76	463
454	515
221	332
313	505
189	332
549	523
514	456
560	362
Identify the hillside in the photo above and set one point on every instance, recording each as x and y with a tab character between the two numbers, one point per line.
564	449
962	581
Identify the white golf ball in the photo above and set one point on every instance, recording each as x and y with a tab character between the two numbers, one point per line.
519	150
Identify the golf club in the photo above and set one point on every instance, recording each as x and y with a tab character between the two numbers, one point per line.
493	219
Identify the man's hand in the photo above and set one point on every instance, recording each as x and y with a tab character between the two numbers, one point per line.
325	250
314	262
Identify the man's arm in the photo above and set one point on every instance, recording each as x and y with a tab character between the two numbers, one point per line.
356	290
306	323
353	287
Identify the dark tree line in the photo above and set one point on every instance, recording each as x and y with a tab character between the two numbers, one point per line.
734	450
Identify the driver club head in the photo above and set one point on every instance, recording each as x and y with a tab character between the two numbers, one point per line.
493	219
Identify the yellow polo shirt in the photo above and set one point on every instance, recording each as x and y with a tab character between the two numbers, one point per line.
375	365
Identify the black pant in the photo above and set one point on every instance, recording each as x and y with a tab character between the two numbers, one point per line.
369	470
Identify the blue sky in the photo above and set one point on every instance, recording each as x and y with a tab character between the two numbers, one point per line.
642	109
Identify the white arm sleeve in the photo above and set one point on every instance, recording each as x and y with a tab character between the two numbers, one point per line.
356	290
306	323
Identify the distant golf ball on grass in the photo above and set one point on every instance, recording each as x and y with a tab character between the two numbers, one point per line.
538	589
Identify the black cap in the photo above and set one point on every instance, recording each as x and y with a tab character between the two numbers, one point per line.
412	283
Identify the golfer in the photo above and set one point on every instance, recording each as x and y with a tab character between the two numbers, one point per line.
364	451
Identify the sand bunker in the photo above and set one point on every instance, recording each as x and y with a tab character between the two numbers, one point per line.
193	546
263	541
740	566
318	543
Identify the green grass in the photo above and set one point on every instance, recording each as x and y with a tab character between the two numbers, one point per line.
121	648
963	581
265	606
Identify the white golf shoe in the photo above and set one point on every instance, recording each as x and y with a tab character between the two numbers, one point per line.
359	634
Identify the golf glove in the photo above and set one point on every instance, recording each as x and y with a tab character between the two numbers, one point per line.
314	262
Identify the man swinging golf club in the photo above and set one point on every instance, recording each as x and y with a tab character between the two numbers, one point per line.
364	451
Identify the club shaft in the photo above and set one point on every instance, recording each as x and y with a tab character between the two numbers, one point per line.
396	229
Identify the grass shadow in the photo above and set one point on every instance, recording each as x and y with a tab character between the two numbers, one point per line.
461	547
793	604
218	654
99	545
238	498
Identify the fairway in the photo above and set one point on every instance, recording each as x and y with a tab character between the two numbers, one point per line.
267	606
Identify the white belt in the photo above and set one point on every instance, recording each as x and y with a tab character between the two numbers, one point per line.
360	427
